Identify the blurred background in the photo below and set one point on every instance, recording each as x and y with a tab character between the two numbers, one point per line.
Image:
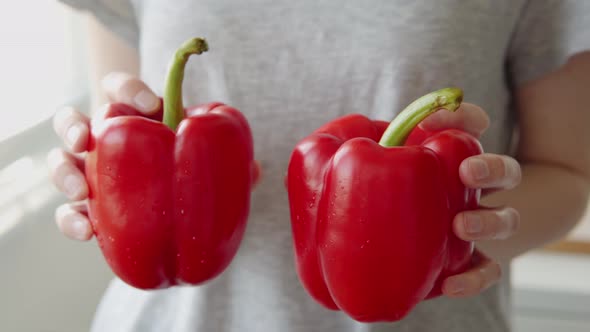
51	284
47	283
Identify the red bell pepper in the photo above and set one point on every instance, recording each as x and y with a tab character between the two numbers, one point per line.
371	221
169	200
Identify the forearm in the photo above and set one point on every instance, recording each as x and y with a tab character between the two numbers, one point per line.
551	199
103	44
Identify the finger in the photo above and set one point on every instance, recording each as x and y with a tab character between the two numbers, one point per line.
124	88
66	173
481	276
469	117
256	173
490	170
72	220
491	224
73	128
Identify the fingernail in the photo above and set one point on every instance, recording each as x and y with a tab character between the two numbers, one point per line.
72	185
78	227
146	101
455	286
513	173
509	217
479	168
473	224
73	134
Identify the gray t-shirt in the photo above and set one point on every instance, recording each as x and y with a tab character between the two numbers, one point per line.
291	66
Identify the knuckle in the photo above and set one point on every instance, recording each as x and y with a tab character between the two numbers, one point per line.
52	156
127	83
65	166
60	213
64	119
115	82
56	158
129	88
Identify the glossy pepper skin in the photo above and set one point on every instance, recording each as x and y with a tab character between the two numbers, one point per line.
169	201
371	221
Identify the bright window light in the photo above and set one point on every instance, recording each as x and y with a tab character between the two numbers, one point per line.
40	63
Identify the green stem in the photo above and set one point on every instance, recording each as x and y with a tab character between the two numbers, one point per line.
173	108
402	125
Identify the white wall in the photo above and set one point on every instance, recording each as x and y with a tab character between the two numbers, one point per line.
47	282
552	292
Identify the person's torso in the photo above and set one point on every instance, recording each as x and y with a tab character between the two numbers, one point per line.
290	67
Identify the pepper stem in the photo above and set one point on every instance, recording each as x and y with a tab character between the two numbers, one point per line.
173	108
402	125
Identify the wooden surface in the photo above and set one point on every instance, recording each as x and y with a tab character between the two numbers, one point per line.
570	246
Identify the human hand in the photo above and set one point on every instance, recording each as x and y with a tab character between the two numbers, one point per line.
488	172
66	165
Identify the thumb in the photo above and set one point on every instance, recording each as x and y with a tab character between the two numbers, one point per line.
124	88
469	118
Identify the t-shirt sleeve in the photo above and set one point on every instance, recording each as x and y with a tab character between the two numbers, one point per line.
117	15
547	34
